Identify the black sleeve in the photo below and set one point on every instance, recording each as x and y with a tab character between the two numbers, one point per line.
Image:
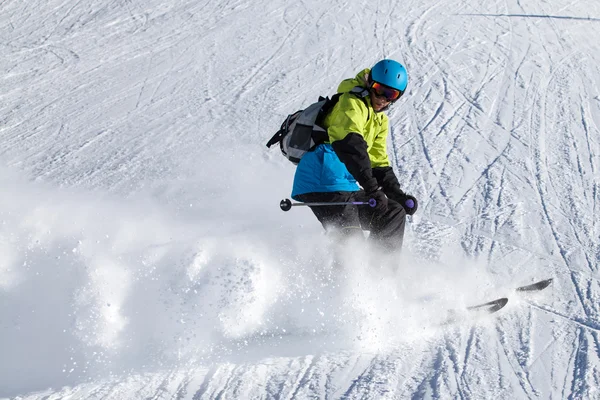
352	151
386	178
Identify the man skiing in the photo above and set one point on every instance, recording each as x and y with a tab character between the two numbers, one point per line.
356	152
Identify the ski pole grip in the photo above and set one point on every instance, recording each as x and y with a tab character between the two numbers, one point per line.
372	203
285	204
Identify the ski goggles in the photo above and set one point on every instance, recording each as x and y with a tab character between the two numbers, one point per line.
389	93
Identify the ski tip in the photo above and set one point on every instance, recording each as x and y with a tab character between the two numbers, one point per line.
535	286
500	304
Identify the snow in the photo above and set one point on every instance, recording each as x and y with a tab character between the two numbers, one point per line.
143	253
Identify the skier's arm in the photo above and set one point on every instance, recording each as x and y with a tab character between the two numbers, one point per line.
382	171
386	178
378	151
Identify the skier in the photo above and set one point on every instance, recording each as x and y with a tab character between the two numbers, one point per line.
356	152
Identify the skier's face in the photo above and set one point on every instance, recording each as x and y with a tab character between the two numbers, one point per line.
379	103
382	95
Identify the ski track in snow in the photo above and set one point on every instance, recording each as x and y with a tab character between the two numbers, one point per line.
142	253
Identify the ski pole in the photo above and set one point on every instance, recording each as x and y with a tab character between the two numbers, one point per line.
286	204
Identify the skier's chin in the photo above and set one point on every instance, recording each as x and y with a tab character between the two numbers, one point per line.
379	105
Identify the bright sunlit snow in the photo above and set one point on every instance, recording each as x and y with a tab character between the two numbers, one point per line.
143	253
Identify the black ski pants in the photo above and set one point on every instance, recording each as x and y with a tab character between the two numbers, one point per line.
387	228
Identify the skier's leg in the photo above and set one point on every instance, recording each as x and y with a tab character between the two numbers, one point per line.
341	223
337	220
387	229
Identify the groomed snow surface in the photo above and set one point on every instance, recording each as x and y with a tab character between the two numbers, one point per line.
143	254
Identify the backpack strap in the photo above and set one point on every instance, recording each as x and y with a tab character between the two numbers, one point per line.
357	91
283	130
362	94
360	91
276	138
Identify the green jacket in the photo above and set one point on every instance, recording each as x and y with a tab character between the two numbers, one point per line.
353	114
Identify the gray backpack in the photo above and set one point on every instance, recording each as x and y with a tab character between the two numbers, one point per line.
302	132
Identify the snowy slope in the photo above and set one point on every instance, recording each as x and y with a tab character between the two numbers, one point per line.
142	251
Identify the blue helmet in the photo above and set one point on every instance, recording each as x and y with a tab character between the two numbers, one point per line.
390	73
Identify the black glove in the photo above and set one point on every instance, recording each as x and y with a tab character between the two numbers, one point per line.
381	199
409	203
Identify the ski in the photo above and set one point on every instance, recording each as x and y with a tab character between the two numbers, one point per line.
490	307
456	315
535	287
496	305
